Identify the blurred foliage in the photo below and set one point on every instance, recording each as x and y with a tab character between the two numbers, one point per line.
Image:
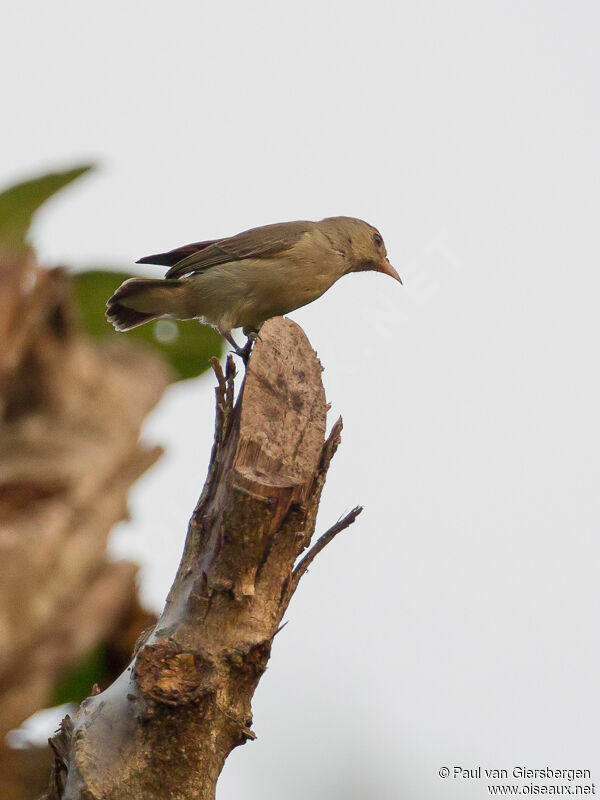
187	346
19	203
76	684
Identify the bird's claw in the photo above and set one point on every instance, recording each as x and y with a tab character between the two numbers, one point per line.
245	351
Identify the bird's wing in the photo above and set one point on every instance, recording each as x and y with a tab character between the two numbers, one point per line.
173	256
265	242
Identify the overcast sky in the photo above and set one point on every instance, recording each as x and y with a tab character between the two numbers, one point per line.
456	622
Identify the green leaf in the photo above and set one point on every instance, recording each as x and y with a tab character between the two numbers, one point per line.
187	346
76	684
19	203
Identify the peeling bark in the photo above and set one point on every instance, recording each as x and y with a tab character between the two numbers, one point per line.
165	727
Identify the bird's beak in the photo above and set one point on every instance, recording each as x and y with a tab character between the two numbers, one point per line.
385	267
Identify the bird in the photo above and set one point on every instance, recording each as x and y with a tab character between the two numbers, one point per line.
244	280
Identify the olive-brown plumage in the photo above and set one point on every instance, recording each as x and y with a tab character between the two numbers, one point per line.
242	281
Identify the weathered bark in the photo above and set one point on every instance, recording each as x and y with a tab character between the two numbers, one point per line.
165	727
70	418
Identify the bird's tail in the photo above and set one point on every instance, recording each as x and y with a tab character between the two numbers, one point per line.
140	300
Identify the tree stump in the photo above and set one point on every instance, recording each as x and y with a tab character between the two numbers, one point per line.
165	727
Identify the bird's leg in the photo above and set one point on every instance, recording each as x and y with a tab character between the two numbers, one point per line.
242	352
247	349
239	351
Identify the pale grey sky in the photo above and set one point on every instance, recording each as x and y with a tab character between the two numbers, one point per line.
456	622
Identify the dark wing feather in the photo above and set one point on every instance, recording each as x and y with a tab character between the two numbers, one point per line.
173	256
265	242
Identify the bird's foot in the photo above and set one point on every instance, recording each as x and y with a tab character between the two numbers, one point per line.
240	351
245	351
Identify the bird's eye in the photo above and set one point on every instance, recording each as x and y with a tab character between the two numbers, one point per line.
377	239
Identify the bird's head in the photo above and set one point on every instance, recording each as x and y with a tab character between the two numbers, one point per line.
362	245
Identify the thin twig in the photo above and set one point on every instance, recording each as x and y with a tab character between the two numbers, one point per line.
322	542
220	390
230	373
224	393
217	369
